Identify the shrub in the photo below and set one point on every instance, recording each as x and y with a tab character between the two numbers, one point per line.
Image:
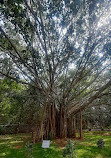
100	143
28	149
69	151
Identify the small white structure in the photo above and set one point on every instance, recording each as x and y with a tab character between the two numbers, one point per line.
45	143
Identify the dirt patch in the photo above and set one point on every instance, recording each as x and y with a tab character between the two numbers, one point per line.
18	147
62	142
106	134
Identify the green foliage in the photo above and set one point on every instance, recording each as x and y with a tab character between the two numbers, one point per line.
10	100
28	148
100	143
69	151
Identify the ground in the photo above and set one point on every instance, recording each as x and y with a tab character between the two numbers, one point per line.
14	146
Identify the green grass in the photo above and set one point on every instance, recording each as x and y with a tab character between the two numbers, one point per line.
13	146
52	152
88	148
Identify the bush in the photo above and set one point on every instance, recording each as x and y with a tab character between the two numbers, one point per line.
69	151
100	143
28	150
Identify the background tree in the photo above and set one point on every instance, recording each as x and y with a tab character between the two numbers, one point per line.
10	100
98	114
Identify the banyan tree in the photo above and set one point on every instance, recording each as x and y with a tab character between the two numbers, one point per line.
62	50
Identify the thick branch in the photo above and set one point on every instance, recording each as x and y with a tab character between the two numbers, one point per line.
83	106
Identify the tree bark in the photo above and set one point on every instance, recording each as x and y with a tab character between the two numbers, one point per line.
80	124
42	120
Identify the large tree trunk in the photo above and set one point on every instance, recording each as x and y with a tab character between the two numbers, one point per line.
74	128
80	122
42	121
52	128
63	118
71	127
63	123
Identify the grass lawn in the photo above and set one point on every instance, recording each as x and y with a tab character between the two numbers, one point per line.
88	148
13	146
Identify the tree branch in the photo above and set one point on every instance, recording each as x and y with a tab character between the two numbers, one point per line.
90	100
